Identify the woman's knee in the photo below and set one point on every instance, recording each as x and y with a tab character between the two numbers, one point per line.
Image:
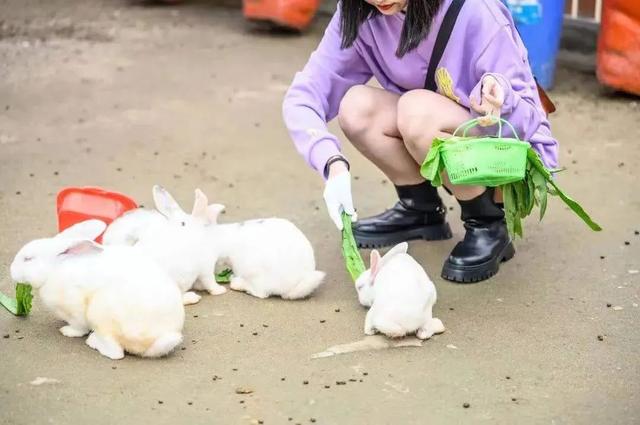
357	110
417	116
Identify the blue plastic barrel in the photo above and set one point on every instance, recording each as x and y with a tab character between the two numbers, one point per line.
540	25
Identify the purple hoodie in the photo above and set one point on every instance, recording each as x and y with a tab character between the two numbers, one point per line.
484	41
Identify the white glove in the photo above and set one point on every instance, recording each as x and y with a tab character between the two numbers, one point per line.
337	196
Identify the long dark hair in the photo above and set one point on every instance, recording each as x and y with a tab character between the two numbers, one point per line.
416	26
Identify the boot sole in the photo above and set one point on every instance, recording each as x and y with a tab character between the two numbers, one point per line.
434	232
479	272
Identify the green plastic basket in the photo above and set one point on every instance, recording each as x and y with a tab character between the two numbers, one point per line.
484	161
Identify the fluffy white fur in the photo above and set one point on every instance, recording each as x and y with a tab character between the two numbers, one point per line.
400	296
175	240
129	228
269	257
105	291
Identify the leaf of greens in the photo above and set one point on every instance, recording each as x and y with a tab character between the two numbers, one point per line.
540	184
23	298
531	192
21	305
224	276
576	208
433	165
353	260
555	190
9	303
521	202
510	208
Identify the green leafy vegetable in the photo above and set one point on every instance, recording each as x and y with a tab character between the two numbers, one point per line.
536	162
21	304
519	197
352	258
540	191
433	165
224	276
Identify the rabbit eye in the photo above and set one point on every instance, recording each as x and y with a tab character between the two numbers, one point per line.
27	259
183	224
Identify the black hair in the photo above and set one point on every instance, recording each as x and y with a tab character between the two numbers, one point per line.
416	26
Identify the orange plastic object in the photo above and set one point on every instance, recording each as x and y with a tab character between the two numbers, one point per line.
619	45
294	14
76	204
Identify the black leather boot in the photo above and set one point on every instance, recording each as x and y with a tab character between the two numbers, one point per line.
419	214
486	243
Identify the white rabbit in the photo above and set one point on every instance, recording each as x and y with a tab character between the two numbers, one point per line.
105	291
179	244
268	257
128	228
400	294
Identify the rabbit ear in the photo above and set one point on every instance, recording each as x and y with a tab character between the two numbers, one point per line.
401	248
81	247
200	205
165	204
374	263
89	229
214	211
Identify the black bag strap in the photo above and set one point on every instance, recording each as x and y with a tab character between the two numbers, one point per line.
444	33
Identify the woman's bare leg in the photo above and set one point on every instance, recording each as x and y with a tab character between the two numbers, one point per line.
368	118
424	115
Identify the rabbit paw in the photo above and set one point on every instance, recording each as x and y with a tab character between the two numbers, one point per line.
72	332
368	324
216	289
209	284
424	333
258	293
238	284
437	326
106	346
189	298
434	326
368	329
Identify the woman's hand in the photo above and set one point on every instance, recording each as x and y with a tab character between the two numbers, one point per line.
490	105
337	193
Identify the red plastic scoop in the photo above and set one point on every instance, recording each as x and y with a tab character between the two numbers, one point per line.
75	204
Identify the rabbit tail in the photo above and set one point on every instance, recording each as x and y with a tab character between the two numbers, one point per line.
309	283
390	328
164	345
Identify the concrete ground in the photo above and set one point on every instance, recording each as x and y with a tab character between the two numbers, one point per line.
107	94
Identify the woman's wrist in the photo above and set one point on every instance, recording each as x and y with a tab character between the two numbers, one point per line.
335	165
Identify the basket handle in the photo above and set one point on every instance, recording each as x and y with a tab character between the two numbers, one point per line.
465	127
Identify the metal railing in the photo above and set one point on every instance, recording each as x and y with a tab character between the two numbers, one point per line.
593	16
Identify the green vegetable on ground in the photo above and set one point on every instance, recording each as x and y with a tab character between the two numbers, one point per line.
350	252
21	304
224	276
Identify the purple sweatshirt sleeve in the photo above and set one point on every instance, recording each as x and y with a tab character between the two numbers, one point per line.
315	94
505	60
